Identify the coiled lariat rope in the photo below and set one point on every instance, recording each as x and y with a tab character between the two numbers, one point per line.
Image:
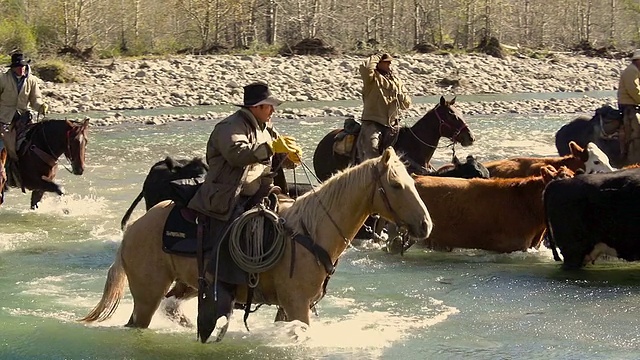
246	242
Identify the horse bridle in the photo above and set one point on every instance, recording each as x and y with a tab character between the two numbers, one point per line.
385	199
457	132
442	122
67	152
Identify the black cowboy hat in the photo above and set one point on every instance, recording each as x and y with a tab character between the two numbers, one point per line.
258	94
17	59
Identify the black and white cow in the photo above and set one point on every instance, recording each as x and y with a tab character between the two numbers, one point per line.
592	214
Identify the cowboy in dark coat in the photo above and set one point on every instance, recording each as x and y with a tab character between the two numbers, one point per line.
239	153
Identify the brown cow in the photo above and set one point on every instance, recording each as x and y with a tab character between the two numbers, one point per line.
530	166
501	215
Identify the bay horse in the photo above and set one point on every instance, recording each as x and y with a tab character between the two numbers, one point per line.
417	143
330	216
38	156
601	129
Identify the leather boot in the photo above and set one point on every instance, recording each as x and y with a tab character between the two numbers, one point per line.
214	311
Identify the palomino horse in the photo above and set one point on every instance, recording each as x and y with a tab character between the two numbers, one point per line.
38	156
330	215
417	143
601	129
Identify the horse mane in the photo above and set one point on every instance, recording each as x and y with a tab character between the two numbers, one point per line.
313	206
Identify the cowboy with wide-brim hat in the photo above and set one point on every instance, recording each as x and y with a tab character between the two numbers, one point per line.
629	104
18	60
258	93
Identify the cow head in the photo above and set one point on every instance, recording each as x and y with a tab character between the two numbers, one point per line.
595	160
549	173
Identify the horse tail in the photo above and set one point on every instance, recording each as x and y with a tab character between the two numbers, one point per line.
113	292
127	215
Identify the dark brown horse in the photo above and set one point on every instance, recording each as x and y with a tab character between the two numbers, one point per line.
417	143
38	156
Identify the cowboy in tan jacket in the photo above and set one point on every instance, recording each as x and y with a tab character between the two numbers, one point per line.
18	89
239	153
629	104
383	96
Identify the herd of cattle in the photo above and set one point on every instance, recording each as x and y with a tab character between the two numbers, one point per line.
583	206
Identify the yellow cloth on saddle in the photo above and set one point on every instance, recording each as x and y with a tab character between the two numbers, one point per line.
344	146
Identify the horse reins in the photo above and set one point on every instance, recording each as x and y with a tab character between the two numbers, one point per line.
442	123
67	154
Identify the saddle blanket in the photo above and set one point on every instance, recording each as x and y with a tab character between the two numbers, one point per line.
180	233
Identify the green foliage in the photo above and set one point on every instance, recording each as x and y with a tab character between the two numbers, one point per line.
16	35
53	70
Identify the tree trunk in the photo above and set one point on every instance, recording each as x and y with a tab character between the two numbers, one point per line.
416	22
270	22
440	28
612	23
487	19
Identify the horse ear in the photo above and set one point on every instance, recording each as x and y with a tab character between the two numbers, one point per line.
453	101
387	154
455	160
443	102
171	164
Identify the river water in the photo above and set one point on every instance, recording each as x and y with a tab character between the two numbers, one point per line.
424	305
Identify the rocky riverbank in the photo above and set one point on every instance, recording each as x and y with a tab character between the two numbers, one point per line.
110	86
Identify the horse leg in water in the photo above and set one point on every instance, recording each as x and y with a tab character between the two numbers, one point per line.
292	306
42	187
36	196
174	298
147	293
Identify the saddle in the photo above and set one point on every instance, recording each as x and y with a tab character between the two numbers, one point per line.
345	140
610	121
180	232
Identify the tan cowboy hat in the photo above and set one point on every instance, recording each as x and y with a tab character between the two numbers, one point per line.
385	57
636	55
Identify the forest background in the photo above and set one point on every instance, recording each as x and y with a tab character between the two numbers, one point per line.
109	28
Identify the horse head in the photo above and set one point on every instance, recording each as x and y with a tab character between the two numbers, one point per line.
396	197
452	125
76	145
